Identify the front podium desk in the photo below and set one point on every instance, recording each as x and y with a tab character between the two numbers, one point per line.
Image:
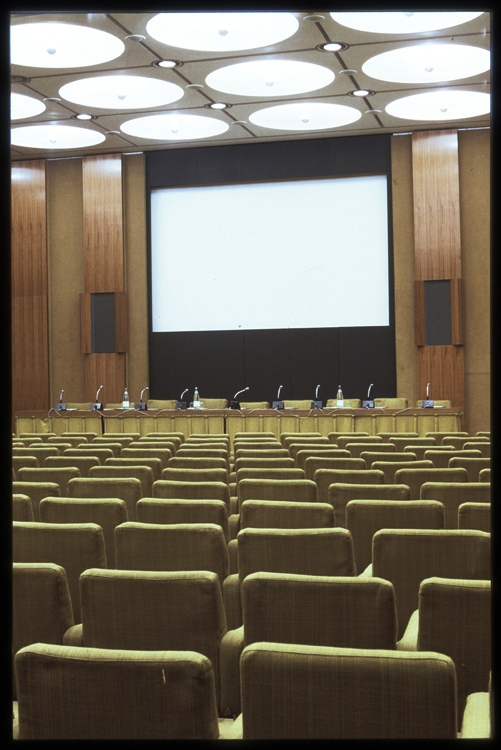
231	421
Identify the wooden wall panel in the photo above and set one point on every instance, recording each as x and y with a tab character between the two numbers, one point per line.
121	321
437	236
457	311
28	217
85	323
103	223
107	370
30	353
419	313
443	368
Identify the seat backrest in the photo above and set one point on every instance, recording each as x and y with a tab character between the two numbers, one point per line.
172	611
343	440
22	508
107	513
158	694
472	465
307	458
189	462
151	510
214	403
483	448
391	403
455	619
195	475
267	514
190	546
154	464
292	691
60	475
21	462
82	463
164	454
164	403
416	477
192	490
312	440
264	461
36	491
453	494
126	488
340	493
401	442
474	516
284	435
355	449
365	517
325	477
41	604
390	468
143	473
73	546
90	450
373	455
304	551
342	611
441	457
285	490
408	556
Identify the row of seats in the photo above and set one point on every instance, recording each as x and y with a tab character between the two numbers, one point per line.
158	544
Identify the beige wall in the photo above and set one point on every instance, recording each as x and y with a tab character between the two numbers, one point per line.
66	273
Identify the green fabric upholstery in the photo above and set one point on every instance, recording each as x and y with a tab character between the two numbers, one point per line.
60	475
341	493
263	514
82	463
22	508
143	473
36	491
164	454
175	511
127	489
475	516
165	488
453	494
416	476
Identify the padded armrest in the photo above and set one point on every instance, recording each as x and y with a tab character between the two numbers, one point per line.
409	640
231	730
74	636
367	573
232	601
232	645
233	552
476	717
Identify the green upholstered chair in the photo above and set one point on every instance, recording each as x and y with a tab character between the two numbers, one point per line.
269	514
21	462
60	475
165	488
472	465
175	511
341	493
475	516
143	473
416	476
164	454
325	477
22	508
390	468
36	491
82	463
453	494
128	489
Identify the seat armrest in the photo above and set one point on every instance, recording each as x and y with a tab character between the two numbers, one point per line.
232	645
476	717
232	601
73	636
409	640
233	551
367	573
231	730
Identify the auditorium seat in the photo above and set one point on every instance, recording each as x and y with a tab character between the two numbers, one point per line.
300	452
478	717
374	454
444	403
408	556
156	611
106	512
164	454
272	514
333	436
416	476
458	440
391	403
390	468
27	441
163	511
475	516
123	440
303	692
82	463
420	450
325	477
153	404
70	693
254	404
483	448
164	488
162	435
343	440
387	435
155	464
278	490
339	494
400	442
472	465
22	508
85	437
357	448
253	435
284	435
143	473
176	439
187	462
22	462
365	517
148	444
453	494
297	403
453	617
73	546
194	475
484	475
60	475
127	489
36	491
214	403
39	452
89	449
83	405
43	436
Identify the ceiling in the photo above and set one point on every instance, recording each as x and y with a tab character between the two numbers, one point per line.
141	50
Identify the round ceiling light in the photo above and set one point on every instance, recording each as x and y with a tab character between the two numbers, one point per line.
305	116
61	45
221	32
55	137
391	22
428	63
121	92
440	105
270	78
174	127
22	106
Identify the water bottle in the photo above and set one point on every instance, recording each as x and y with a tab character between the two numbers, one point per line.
196	399
125	400
339	397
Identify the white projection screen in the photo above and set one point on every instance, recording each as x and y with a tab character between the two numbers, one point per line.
284	254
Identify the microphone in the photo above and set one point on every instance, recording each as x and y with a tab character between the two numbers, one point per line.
236	404
278	404
60	406
97	404
141	405
427	404
368	404
181	404
316	404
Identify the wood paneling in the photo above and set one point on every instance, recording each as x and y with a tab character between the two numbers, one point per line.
29	245
443	368
437	236
107	370
419	313
30	353
86	323
457	311
121	322
103	223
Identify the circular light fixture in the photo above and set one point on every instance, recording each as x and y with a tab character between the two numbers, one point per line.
174	127
167	64
305	116
135	38
332	47
440	105
270	78
361	93
22	106
55	137
221	32
428	63
390	22
84	116
217	105
121	92
61	45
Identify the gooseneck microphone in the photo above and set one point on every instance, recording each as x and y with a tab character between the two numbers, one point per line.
368	404
97	404
316	404
278	404
428	404
236	404
279	389
60	406
181	404
142	405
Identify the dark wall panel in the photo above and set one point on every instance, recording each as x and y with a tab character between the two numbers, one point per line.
314	361
367	355
267	365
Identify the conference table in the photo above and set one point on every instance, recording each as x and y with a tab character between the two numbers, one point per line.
230	421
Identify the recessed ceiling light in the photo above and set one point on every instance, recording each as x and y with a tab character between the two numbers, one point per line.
305	116
22	106
174	127
217	105
361	92
135	38
391	22
61	45
121	92
440	105
55	137
270	78
167	64
332	47
84	116
221	32
428	63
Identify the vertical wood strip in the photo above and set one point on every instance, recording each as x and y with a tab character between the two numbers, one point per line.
443	368
85	323
457	311
108	370
419	313
437	237
121	321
